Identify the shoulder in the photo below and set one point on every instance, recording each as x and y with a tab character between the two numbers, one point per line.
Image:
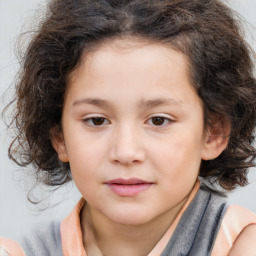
43	240
237	226
245	242
9	247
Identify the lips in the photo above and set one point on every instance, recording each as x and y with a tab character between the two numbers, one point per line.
128	187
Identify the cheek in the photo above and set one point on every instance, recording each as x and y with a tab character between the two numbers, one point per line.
179	154
84	169
81	159
86	158
81	147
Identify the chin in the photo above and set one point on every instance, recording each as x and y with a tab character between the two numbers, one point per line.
131	218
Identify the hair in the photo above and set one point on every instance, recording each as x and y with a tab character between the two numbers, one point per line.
206	31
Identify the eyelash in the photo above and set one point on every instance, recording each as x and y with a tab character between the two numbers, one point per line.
166	121
102	121
91	121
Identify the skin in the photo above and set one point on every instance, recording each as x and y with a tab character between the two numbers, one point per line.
245	243
131	111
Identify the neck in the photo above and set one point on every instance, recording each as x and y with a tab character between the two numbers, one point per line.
110	238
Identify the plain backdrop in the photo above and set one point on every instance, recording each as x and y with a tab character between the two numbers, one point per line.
16	214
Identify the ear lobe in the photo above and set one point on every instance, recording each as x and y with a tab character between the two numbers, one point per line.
216	139
58	143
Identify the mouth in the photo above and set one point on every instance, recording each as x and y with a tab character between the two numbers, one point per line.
128	187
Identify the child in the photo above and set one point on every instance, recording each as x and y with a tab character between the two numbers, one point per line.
134	100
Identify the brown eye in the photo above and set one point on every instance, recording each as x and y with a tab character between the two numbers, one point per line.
158	120
98	121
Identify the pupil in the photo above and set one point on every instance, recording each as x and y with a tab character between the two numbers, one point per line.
98	120
158	120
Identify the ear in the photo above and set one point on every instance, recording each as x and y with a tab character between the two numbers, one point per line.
216	139
58	143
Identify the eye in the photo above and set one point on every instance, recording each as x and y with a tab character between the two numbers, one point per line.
159	121
96	121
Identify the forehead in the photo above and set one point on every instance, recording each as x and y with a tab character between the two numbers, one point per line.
132	49
132	67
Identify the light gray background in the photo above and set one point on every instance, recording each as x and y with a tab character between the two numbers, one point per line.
16	214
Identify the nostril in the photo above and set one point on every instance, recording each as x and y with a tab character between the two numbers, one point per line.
127	159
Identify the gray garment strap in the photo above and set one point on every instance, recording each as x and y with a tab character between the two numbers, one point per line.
198	227
45	240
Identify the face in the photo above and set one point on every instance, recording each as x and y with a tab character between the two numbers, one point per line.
133	131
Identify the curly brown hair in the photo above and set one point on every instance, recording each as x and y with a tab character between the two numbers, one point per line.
206	31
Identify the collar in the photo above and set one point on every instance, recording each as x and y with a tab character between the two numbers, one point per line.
72	238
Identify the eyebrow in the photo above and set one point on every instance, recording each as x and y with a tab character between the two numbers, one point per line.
142	104
92	101
159	102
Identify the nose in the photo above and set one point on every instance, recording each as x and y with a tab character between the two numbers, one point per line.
127	146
